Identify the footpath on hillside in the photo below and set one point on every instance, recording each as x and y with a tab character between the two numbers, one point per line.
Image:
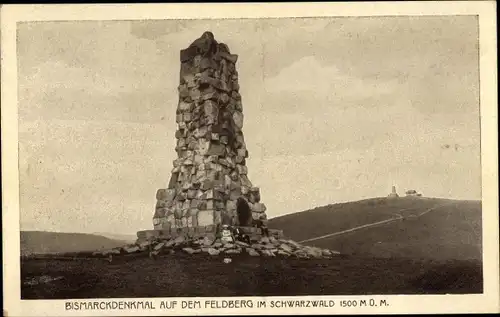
398	216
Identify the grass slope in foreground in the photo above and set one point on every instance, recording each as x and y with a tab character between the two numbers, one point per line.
207	276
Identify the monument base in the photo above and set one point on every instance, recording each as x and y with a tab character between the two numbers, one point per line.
192	232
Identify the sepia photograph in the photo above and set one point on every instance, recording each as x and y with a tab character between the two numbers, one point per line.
249	157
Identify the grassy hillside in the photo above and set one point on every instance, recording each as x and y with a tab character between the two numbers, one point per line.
37	242
452	231
122	237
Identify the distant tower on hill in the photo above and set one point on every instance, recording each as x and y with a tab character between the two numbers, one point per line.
393	193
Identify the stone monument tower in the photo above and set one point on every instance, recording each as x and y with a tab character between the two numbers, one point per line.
208	183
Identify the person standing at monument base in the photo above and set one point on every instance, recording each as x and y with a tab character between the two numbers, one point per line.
261	223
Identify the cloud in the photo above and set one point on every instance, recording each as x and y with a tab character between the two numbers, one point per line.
308	75
54	75
73	174
56	90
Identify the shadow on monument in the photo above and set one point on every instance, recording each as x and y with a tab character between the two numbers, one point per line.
244	213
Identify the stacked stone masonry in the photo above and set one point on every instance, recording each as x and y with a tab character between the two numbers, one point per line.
196	232
209	182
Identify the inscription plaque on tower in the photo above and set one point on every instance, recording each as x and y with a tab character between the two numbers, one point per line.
209	182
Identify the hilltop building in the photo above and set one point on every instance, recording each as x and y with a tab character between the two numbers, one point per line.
393	193
413	193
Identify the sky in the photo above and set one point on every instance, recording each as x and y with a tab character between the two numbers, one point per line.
336	110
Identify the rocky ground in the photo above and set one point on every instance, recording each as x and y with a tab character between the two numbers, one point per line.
265	246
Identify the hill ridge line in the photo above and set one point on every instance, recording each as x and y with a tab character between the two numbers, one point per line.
398	217
450	200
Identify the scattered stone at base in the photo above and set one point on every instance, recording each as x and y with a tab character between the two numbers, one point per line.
159	246
312	252
252	252
131	249
213	251
107	252
188	250
301	255
242	244
283	253
206	241
293	243
144	245
265	246
286	248
169	243
267	253
257	246
327	252
179	240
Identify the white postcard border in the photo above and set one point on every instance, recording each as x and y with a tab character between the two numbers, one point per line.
11	14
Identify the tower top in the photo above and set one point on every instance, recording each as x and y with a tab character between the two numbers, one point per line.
206	46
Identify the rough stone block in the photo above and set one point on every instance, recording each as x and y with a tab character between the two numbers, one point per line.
235	86
213	251
224	139
242	152
205	217
188	54
216	149
194	219
231	205
178	118
165	232
183	91
252	252
185	106
217	216
233	58
147	234
210	96
209	204
242	169
235	193
245	190
224	98
238	119
259	208
184	222
206	63
191	194
181	196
